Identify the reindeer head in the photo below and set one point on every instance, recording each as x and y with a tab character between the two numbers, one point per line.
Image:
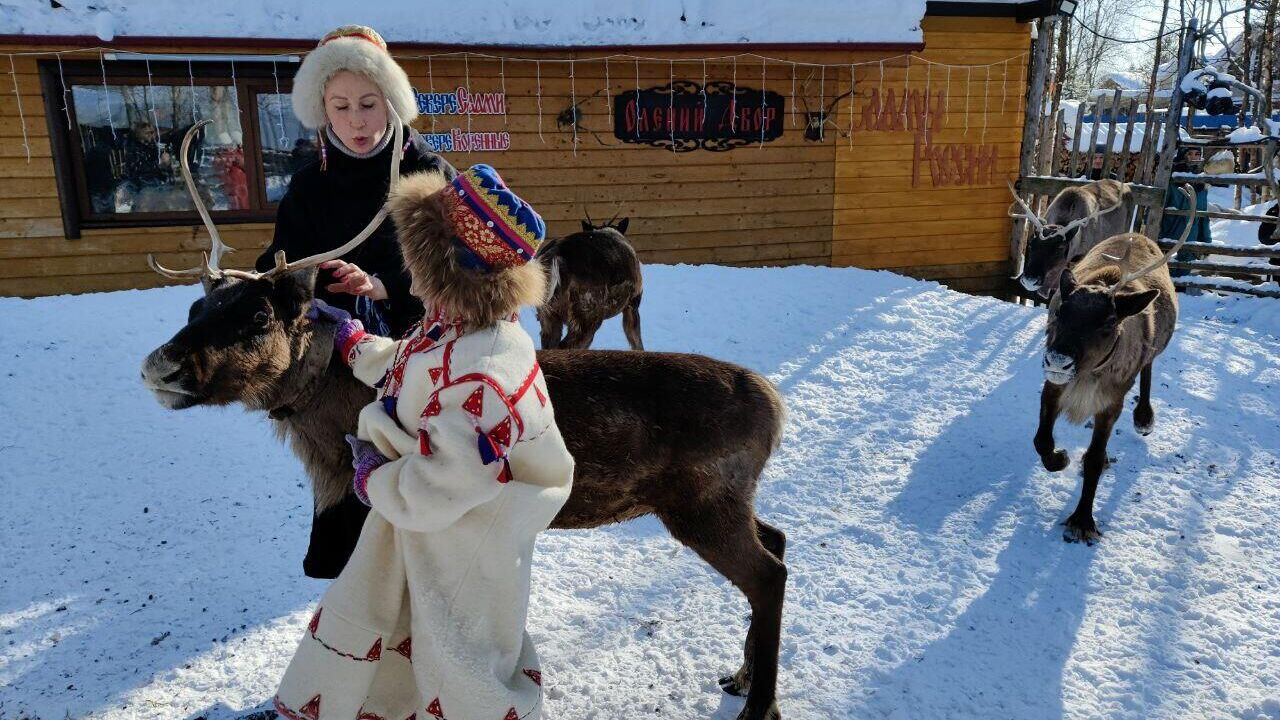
1046	257
1084	327
816	121
240	343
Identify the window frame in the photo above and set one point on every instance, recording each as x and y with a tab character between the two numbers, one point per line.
252	78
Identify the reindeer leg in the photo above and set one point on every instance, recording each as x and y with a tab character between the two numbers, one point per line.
581	334
631	323
730	542
552	328
1144	418
739	683
1052	457
1080	525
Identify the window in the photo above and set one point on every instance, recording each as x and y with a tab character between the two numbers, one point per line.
118	127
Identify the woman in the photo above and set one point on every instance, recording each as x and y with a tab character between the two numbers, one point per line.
463	465
342	90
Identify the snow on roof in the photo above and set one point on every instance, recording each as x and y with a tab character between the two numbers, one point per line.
498	22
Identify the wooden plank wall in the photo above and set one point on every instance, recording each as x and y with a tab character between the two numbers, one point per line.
954	233
792	201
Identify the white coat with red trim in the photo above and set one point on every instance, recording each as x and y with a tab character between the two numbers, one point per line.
429	615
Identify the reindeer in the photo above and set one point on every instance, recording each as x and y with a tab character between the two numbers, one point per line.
1098	339
682	437
815	123
595	275
1077	219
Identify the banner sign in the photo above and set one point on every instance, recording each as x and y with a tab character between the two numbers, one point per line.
686	116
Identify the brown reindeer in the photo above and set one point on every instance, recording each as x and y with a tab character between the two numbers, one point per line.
1076	220
1100	337
595	275
682	437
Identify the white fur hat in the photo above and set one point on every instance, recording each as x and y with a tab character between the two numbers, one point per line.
361	50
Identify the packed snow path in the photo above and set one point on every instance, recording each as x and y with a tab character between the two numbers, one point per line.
151	563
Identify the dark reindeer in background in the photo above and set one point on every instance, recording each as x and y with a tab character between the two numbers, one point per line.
681	437
595	275
1114	312
1077	219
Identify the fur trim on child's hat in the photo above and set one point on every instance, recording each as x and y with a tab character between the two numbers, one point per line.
361	50
443	267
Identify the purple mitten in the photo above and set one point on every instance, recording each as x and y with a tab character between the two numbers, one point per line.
365	458
349	331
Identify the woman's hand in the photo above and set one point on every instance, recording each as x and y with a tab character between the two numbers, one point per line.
350	279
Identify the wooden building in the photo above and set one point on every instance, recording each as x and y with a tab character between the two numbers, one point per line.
876	153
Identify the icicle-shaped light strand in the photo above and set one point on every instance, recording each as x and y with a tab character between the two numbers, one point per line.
284	136
573	105
906	91
793	94
928	90
704	94
502	75
986	88
431	88
466	82
608	97
671	101
968	88
63	81
947	110
235	93
106	96
191	83
22	118
537	68
883	96
763	68
853	89
637	68
733	99
822	100
151	108
1004	88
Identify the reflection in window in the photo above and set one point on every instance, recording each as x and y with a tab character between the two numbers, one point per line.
286	145
129	138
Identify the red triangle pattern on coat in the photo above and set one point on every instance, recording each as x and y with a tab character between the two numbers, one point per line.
501	433
534	675
434	709
405	648
435	374
475	403
311	711
368	716
541	398
512	715
413	716
433	407
314	625
375	652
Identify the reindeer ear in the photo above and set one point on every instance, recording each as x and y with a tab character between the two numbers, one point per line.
290	292
1134	302
586	226
622	225
1066	282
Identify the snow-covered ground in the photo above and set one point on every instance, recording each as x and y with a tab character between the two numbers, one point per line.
151	562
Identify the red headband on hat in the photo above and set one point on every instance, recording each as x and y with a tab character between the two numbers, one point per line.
363	36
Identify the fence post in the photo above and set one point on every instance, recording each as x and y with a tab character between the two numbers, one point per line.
1031	127
1164	169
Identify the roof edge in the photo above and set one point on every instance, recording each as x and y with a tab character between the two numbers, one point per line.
304	44
1022	12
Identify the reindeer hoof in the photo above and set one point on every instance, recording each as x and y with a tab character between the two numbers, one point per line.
1083	530
1055	461
1144	419
773	713
738	684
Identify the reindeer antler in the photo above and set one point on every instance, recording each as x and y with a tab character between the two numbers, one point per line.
1029	214
212	269
1128	277
1081	221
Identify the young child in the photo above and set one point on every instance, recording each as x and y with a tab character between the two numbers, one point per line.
462	464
